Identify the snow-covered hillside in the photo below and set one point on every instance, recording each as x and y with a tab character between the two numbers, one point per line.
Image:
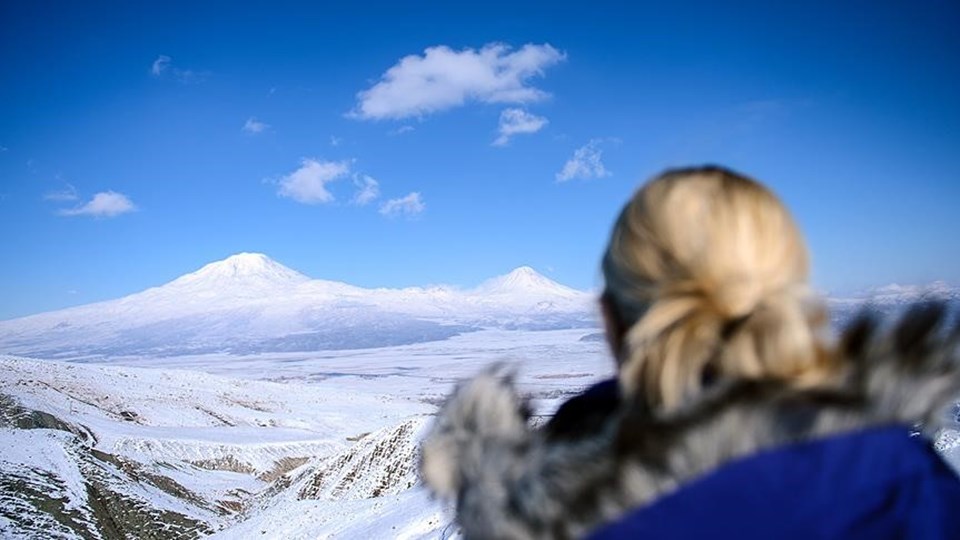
92	451
249	303
105	451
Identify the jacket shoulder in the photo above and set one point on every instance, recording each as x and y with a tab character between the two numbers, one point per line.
875	483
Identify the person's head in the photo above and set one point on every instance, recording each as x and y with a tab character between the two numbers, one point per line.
706	278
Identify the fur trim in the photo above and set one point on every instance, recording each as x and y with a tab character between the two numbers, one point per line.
483	413
511	482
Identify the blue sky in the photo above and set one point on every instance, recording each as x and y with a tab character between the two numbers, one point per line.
395	145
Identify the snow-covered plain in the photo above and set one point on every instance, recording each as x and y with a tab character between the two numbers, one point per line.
247	400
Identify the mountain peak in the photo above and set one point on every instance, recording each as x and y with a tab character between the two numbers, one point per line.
245	269
524	279
245	264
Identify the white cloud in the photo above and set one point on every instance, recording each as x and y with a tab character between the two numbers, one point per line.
515	121
308	183
160	65
410	205
163	66
67	194
254	126
335	141
401	130
103	204
585	164
368	189
443	78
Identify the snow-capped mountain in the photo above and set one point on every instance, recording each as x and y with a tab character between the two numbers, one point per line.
251	303
247	274
526	282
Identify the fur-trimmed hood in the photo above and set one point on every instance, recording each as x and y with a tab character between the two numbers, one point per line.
512	481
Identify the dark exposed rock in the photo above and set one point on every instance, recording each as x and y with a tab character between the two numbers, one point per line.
39	502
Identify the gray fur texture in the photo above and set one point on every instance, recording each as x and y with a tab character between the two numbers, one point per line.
512	482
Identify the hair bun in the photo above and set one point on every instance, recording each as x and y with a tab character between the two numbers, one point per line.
736	298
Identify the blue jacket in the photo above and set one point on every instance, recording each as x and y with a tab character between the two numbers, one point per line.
878	483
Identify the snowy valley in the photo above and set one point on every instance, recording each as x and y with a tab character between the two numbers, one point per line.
247	400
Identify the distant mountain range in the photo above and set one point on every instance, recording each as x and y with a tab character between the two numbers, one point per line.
249	303
891	299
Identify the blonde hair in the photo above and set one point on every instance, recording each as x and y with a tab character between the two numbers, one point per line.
707	272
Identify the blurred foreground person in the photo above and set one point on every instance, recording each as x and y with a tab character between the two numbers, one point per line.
732	414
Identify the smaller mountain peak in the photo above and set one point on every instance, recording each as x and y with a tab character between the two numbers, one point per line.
525	280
